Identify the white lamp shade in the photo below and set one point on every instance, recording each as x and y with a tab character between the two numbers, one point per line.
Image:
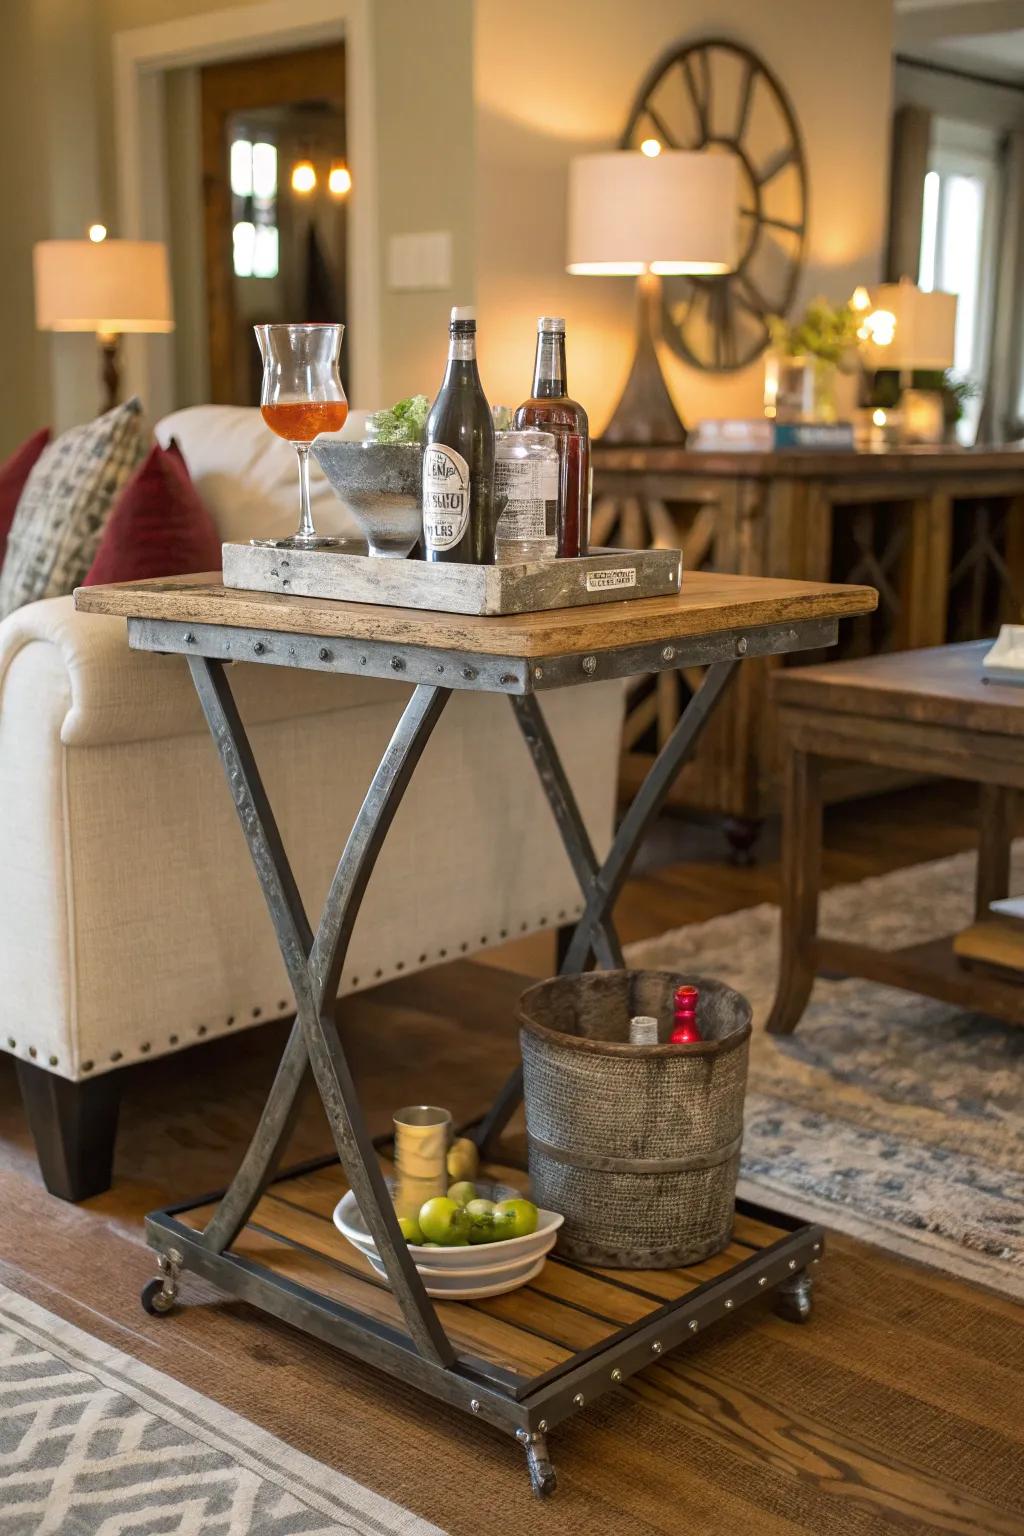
111	286
676	212
925	329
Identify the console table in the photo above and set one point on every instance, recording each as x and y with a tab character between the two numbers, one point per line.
938	531
275	1248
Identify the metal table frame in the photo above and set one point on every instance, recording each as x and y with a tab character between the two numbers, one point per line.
423	1354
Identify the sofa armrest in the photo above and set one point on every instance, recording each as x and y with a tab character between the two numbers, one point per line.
115	694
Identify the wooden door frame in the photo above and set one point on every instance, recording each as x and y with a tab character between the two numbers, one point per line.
141	57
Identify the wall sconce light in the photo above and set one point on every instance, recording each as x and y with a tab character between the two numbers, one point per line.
650	148
97	233
339	181
303	176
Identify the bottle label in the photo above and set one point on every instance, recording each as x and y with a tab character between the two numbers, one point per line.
445	496
527	490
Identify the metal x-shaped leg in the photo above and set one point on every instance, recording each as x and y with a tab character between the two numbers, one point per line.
314	963
600	884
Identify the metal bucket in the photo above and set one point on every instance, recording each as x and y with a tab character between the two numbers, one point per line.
638	1147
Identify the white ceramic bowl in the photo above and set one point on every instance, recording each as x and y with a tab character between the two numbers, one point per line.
486	1269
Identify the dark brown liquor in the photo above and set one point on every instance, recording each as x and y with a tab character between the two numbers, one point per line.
458	458
552	410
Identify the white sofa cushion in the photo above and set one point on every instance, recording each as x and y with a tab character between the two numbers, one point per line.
248	477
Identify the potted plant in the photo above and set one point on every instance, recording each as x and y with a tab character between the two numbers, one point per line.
805	358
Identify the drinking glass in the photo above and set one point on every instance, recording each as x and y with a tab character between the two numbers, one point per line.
423	1134
302	395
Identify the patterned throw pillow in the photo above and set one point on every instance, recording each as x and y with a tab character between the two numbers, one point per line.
65	505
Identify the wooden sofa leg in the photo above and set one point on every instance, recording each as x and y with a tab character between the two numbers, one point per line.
73	1126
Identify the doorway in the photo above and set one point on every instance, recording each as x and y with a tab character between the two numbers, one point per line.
275	187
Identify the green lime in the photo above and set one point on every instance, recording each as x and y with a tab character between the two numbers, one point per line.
410	1229
462	1193
502	1226
479	1207
444	1222
523	1216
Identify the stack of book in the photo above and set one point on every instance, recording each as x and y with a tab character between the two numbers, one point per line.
759	435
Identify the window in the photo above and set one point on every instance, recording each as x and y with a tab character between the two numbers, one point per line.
254	236
958	243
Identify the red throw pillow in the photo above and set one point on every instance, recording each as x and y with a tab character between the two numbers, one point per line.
13	475
159	526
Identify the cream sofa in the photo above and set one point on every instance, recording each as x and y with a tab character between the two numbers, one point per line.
132	922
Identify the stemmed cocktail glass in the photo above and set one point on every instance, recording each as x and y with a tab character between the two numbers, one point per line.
302	395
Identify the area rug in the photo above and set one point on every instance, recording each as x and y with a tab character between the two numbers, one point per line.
92	1441
886	1115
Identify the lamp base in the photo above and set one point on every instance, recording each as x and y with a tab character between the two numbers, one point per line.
110	370
646	415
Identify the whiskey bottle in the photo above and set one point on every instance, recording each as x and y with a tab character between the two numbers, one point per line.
552	410
458	457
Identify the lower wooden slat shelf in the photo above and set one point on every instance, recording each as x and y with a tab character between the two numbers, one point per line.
566	1309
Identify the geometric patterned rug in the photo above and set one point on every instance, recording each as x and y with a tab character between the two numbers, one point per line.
886	1115
94	1443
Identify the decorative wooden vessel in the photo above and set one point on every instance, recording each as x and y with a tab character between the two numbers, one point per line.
530	587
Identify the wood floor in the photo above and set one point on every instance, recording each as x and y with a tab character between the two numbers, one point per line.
900	1407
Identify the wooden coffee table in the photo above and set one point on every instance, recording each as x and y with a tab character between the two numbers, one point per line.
928	712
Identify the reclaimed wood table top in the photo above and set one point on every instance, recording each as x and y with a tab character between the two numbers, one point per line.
941	685
708	604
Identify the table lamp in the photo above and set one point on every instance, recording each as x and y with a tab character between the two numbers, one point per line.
107	286
634	215
913	331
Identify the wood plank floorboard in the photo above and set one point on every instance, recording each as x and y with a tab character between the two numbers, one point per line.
899	1408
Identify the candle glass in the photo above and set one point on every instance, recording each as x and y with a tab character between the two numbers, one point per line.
423	1134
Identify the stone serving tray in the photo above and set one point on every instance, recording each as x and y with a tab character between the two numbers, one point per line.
608	575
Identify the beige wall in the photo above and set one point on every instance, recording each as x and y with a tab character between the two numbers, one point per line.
556	80
479	106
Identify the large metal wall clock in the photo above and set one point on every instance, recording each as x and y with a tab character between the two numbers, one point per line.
718	96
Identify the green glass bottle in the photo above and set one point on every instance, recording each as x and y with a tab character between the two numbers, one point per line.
458	457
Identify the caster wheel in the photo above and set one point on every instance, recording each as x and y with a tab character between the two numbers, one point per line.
153	1299
544	1484
793	1300
543	1479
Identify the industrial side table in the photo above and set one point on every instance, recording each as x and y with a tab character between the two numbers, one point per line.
526	1360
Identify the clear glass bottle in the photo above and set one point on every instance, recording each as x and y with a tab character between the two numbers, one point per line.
526	474
551	408
458	457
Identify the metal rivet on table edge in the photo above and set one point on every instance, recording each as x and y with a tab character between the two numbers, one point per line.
693	1325
538	672
578	1400
324	653
616	1374
190	638
362	661
468	672
741	645
729	1304
668	654
763	1280
397	664
259	647
542	1426
507	679
590	664
817	1248
523	1436
474	1406
792	1263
